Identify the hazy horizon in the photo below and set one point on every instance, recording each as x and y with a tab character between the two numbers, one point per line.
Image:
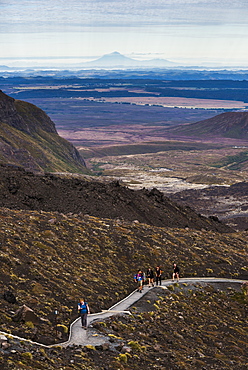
77	63
187	32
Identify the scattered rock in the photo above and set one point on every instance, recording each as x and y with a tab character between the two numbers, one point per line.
126	349
73	196
5	345
3	338
9	297
25	313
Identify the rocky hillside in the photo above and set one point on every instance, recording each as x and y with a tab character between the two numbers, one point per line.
28	138
228	203
53	193
48	260
160	334
228	125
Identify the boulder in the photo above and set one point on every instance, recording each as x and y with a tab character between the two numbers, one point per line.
3	338
9	296
25	313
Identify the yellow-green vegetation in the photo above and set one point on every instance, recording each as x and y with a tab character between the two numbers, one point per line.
27	355
135	345
89	346
29	324
122	358
56	152
206	328
63	328
55	259
29	139
114	336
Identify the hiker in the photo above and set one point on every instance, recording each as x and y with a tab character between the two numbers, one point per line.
158	275
139	278
175	273
83	310
150	277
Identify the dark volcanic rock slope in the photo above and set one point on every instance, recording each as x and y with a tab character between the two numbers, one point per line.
28	138
228	203
25	190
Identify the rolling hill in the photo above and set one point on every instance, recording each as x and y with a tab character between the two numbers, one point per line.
227	125
28	138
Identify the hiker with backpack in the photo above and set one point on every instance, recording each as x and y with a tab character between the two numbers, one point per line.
150	277
175	273
139	278
158	275
83	310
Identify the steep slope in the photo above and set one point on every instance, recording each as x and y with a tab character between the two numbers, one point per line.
49	260
28	138
228	203
159	334
25	190
228	125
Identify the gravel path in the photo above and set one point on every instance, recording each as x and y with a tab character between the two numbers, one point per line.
80	336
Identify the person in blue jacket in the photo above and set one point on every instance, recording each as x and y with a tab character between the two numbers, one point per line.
83	310
139	278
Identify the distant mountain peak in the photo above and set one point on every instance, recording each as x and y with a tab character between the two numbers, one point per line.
114	53
116	59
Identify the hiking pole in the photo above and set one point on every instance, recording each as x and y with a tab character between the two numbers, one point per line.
55	320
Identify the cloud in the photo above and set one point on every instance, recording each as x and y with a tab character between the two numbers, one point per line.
75	15
170	28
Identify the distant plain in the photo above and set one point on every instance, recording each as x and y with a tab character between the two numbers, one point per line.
120	126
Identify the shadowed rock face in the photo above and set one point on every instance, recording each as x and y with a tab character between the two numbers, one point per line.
24	116
28	138
25	190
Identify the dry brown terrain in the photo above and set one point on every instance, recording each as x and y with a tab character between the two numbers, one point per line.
179	102
171	170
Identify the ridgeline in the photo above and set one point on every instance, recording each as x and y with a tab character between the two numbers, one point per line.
28	138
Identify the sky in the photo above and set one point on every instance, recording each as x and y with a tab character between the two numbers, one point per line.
190	32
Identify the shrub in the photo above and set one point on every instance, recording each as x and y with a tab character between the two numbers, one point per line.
27	355
62	328
122	358
135	345
29	324
209	271
89	346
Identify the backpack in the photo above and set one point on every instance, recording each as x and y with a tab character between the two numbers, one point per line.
83	307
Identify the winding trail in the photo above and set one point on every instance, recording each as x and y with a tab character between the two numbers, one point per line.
80	336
